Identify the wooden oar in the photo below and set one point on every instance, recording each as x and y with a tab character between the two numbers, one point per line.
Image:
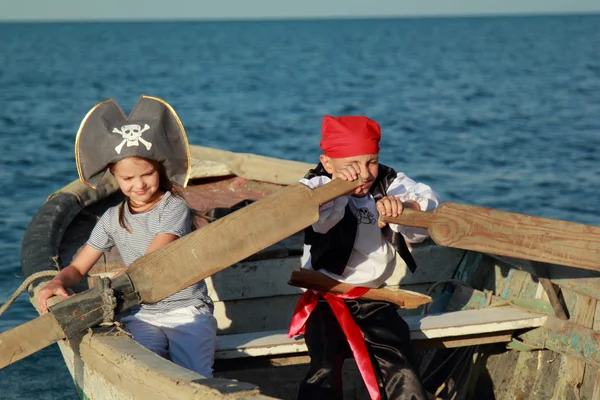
508	234
314	280
178	265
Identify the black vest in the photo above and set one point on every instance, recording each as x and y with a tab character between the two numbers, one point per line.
331	251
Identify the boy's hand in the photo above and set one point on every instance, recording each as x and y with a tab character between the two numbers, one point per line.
350	172
391	206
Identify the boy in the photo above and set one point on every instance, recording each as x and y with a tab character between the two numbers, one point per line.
349	245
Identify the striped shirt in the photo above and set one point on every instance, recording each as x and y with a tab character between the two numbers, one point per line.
172	216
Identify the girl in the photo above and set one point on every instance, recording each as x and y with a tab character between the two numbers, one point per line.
149	172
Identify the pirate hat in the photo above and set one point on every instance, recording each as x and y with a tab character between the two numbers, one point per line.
152	130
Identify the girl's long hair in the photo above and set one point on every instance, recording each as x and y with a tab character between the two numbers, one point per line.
164	184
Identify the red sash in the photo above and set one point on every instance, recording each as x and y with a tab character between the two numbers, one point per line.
354	335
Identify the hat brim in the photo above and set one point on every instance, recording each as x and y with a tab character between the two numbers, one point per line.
152	130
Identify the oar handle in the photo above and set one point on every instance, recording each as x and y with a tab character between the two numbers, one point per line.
314	280
335	189
419	219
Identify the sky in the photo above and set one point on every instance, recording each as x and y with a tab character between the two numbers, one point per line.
60	10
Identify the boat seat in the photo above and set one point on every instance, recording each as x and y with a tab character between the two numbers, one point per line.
449	329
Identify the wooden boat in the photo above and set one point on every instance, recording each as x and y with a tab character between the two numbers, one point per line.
493	331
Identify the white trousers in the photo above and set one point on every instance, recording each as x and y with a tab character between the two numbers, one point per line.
185	336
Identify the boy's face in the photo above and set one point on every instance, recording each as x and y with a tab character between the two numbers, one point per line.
367	166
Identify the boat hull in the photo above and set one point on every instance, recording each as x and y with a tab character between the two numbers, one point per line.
498	358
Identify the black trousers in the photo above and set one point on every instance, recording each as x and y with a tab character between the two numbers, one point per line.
387	338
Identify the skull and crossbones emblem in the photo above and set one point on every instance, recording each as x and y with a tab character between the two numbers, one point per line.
132	135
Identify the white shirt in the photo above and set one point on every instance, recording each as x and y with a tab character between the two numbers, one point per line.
373	259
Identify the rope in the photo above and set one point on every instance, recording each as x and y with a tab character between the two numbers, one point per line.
109	301
455	282
24	286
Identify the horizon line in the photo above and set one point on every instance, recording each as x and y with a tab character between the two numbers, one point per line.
304	18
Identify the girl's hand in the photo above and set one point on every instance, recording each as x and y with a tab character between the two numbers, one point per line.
53	288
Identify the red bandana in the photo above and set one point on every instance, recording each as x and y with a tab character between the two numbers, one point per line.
349	136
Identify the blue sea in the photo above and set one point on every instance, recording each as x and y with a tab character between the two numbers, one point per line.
498	112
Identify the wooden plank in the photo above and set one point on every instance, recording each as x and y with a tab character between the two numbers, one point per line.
567	338
252	166
582	313
116	367
461	341
541	271
509	286
208	169
596	373
495	319
580	280
596	392
528	366
521	376
255	315
25	339
313	280
562	389
448	326
255	344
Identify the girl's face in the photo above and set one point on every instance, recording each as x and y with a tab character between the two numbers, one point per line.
139	180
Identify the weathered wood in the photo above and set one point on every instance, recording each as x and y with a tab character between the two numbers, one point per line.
252	166
567	338
116	367
26	339
255	315
446	330
317	281
582	312
509	282
580	280
462	341
509	234
254	279
468	322
596	392
541	272
596	372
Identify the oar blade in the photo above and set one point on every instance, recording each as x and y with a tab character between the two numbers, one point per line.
518	235
510	234
231	239
26	339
